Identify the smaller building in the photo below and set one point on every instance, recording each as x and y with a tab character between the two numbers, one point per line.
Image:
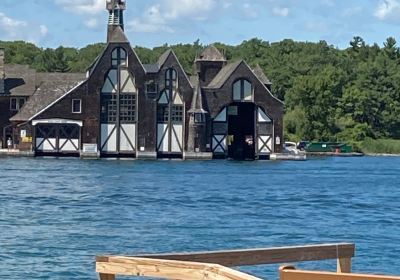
124	108
18	84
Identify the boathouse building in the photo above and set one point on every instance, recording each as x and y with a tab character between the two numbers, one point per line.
123	108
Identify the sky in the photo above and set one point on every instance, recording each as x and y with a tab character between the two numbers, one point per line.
151	23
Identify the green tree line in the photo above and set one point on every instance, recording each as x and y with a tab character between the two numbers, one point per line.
331	94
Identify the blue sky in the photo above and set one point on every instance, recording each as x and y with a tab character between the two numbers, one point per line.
150	23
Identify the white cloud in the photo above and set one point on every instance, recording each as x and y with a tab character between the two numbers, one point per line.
162	16
388	9
278	11
11	26
83	6
14	29
249	11
92	23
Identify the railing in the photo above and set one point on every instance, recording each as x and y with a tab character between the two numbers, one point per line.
290	273
178	270
213	265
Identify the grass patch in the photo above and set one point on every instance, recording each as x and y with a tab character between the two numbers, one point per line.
380	146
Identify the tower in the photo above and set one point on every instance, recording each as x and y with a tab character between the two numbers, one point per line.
208	64
116	15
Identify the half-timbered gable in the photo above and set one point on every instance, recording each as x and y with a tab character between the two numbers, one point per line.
243	110
174	100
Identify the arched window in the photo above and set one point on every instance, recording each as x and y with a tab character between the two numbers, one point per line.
170	78
242	90
118	57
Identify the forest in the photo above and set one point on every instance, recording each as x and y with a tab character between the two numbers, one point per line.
350	95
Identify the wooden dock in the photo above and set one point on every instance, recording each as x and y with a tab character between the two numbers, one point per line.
214	265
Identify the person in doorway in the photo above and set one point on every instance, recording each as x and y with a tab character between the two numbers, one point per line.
249	140
9	143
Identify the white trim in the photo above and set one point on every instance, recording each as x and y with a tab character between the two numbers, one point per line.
80	106
58	99
57	121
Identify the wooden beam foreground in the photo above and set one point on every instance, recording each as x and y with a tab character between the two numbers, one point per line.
342	251
289	273
178	270
214	265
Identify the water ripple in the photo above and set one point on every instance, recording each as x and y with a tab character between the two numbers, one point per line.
57	214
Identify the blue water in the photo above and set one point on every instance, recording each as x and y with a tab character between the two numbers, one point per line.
56	215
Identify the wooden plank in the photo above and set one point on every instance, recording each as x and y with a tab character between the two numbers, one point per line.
290	274
103	276
265	255
344	265
179	270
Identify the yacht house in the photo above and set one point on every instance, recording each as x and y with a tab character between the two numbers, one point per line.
123	108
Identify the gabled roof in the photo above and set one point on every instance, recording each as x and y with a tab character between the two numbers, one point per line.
151	68
223	75
163	59
20	80
155	68
53	87
261	75
197	100
211	53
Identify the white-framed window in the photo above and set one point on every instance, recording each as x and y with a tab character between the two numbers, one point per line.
242	90
76	106
16	103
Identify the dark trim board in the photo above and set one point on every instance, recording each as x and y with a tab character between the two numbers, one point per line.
118	155
57	154
264	157
170	155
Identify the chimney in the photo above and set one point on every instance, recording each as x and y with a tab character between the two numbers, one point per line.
2	72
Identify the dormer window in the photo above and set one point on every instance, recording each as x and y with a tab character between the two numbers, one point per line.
242	91
17	103
118	57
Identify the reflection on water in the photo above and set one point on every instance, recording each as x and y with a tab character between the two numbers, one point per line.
57	214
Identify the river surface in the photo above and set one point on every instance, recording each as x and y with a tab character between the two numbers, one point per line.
56	215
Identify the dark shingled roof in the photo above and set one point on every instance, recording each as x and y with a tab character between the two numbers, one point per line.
20	80
163	58
52	87
118	36
151	68
224	74
211	53
261	75
197	101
